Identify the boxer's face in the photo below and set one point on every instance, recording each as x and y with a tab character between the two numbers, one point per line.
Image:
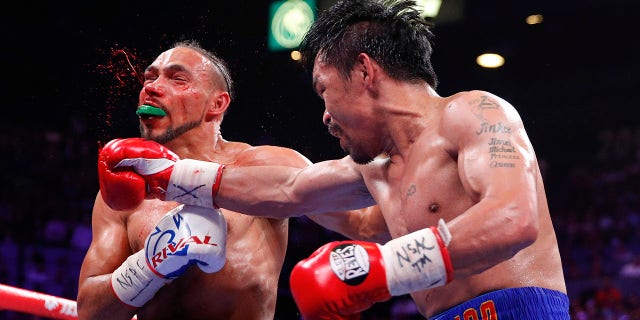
180	82
348	113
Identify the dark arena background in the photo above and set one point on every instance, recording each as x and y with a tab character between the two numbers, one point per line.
70	83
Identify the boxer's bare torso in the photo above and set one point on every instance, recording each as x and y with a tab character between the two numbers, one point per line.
245	288
431	180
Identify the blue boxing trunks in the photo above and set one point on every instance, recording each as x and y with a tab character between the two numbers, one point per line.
514	303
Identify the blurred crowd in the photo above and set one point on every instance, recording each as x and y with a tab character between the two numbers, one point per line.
597	219
50	184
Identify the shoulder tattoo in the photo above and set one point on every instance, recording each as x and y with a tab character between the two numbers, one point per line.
500	150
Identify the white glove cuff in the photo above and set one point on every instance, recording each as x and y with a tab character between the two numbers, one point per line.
194	182
418	260
133	282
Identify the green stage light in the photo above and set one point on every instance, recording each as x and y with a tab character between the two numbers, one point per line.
289	20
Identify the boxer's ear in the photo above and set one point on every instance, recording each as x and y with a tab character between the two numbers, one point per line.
367	71
218	104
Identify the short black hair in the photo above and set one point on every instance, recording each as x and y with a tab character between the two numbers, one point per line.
392	32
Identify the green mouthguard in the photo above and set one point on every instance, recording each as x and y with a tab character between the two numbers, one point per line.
149	111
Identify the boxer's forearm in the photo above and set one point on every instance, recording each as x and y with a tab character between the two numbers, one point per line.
96	300
279	191
365	224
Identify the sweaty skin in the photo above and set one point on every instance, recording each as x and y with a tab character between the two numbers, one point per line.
464	158
255	253
181	82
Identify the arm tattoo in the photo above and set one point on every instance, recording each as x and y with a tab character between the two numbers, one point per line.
484	104
502	153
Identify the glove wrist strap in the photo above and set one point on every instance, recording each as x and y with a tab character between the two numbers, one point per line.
133	282
194	182
418	261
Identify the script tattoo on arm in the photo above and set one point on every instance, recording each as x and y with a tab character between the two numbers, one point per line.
502	153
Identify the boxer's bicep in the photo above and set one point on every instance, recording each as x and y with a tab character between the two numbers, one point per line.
495	156
109	242
109	248
284	191
497	169
333	185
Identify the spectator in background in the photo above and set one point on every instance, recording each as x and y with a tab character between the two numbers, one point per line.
36	276
631	269
608	297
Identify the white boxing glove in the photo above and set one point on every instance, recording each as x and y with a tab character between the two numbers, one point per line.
185	236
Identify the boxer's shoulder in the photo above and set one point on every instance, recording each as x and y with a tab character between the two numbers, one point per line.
271	155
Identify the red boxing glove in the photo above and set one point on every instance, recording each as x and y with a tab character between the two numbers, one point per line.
121	187
133	169
339	280
342	279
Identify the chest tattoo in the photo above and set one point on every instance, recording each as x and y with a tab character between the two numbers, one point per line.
411	191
